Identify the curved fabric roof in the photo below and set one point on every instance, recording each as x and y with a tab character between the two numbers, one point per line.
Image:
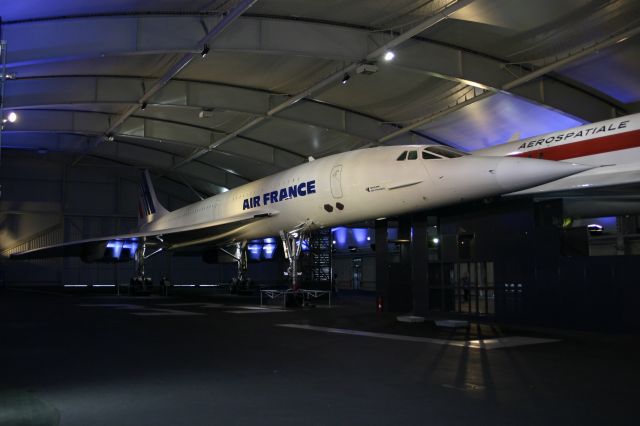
124	81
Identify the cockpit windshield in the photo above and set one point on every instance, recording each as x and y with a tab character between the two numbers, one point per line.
441	151
432	152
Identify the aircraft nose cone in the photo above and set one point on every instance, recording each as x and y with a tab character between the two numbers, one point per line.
514	174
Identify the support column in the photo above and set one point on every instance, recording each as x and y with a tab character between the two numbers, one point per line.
420	264
404	238
382	262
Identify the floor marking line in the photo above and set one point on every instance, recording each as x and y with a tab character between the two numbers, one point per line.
195	305
487	344
167	313
112	305
147	311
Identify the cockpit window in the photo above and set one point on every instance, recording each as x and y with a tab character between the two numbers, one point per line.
427	156
413	155
402	156
441	152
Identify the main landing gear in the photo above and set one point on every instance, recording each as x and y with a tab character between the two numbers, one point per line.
241	282
139	283
292	243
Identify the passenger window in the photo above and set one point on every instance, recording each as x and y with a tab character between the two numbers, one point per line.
413	155
402	157
428	156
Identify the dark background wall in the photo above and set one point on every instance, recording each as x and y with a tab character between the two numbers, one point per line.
543	274
45	201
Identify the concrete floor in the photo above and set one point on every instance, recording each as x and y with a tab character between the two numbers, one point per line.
74	359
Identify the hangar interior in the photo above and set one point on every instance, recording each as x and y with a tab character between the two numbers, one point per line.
211	95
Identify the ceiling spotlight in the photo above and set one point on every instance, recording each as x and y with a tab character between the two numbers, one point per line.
205	50
10	75
12	117
345	78
367	69
110	138
389	56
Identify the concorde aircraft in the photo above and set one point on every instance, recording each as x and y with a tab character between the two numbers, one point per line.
337	189
600	191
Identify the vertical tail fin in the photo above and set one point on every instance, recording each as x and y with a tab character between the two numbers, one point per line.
149	208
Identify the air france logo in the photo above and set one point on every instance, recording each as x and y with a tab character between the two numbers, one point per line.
301	190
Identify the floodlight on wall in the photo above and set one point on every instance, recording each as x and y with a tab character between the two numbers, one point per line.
12	117
205	50
345	78
389	55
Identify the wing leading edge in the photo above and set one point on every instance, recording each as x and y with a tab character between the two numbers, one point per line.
169	238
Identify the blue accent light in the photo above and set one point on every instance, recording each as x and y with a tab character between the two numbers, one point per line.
607	220
360	235
116	246
612	71
254	251
268	250
340	236
609	223
131	245
495	120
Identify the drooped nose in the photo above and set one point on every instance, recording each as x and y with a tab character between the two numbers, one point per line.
514	174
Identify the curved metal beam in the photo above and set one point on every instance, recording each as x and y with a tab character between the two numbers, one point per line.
79	141
73	120
37	92
31	44
182	62
164	173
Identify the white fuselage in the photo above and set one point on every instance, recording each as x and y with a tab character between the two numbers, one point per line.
613	144
359	185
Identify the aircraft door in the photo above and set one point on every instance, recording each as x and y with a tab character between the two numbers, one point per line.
336	181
